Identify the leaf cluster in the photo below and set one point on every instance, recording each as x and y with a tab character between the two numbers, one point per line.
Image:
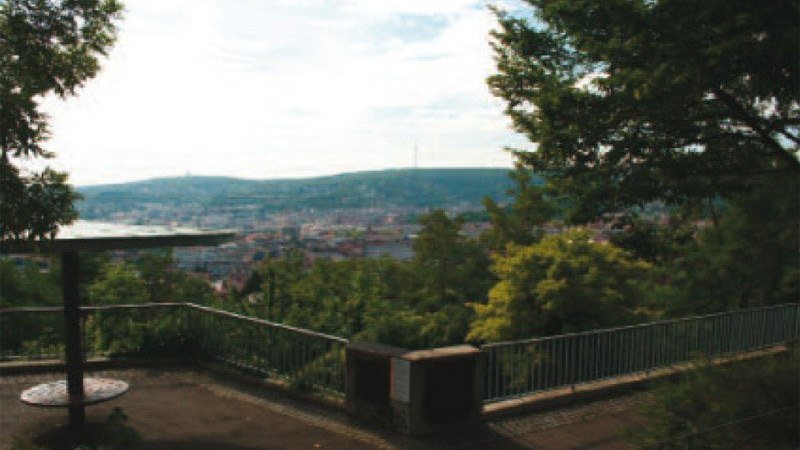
46	47
413	304
563	283
628	102
750	404
32	207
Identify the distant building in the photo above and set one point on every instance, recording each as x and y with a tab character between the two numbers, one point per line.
400	250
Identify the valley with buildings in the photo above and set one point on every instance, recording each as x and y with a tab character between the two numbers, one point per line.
368	214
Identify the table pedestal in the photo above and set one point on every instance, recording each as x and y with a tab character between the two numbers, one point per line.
70	278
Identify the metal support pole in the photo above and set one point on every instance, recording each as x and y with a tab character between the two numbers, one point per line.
271	296
72	337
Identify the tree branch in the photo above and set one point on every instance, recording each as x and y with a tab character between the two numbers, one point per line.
787	135
741	113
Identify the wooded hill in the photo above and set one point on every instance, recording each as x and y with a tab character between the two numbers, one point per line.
401	188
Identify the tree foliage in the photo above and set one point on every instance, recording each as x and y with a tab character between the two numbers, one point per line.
749	259
149	279
33	206
452	269
155	271
353	297
46	47
751	404
28	285
563	283
118	284
633	101
520	223
415	304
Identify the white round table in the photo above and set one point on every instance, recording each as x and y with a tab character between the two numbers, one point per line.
54	394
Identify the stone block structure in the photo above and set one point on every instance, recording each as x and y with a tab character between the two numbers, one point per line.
415	392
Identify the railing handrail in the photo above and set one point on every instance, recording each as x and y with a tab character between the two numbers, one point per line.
268	323
35	309
131	306
523	367
32	309
50	309
514	368
634	326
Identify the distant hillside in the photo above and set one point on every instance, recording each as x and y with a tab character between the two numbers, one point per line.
390	189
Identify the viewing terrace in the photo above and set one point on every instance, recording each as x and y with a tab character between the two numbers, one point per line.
205	378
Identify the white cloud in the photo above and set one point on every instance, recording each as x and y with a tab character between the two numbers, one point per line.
277	89
391	7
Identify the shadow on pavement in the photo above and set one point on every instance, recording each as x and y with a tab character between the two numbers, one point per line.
476	436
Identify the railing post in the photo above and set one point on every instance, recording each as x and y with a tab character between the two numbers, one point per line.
796	322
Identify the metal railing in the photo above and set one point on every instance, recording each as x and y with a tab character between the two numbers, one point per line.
302	357
32	333
111	330
153	329
307	358
523	367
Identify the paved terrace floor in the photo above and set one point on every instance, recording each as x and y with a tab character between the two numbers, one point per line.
185	409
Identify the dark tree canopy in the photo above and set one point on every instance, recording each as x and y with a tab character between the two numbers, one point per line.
521	221
46	47
629	101
454	268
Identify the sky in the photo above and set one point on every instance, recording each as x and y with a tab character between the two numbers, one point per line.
286	89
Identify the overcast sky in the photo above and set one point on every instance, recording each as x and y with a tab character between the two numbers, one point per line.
294	88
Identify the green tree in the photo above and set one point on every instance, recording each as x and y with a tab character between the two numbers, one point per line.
453	269
750	404
155	271
392	324
282	277
253	284
46	47
436	252
448	325
749	259
563	283
192	289
32	206
28	285
118	284
633	101
522	222
149	332
375	299
652	242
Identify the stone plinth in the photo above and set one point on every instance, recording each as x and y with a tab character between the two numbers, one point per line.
437	388
368	381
